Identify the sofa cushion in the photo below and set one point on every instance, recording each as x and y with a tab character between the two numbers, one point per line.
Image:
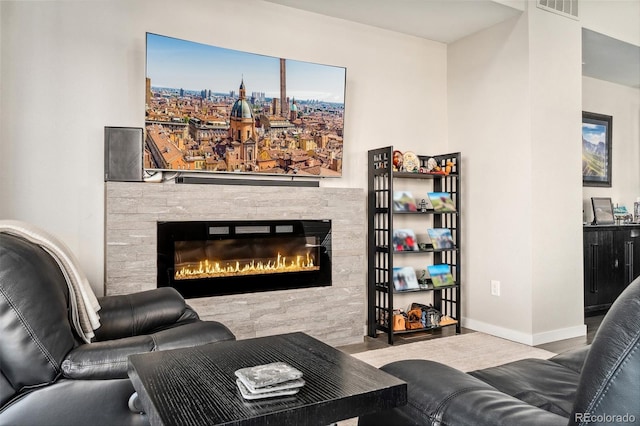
75	403
538	382
441	395
573	359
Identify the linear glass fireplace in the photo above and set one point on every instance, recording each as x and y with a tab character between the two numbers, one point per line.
213	258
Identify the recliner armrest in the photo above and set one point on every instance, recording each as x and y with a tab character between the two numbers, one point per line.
104	360
109	360
450	397
139	313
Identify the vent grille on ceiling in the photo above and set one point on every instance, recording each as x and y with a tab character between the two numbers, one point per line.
568	8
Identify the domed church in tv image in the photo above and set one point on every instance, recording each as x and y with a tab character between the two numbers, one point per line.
242	134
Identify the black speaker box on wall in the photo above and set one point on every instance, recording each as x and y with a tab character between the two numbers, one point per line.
123	154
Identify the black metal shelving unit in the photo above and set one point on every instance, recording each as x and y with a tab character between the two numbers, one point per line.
381	181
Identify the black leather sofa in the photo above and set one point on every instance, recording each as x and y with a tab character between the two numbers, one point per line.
48	375
597	384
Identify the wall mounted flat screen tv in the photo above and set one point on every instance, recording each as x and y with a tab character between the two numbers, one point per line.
211	109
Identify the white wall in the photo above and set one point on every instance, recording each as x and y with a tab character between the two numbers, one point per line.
517	118
69	68
489	115
556	226
615	18
623	104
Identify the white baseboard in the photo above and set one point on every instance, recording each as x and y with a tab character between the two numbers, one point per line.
525	338
494	330
560	334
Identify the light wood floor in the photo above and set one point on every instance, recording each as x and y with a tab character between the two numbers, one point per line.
560	346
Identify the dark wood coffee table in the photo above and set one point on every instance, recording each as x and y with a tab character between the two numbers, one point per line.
197	386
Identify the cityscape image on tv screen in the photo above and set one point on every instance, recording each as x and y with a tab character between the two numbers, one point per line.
213	109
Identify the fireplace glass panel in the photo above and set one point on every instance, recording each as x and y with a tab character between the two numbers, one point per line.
216	258
246	256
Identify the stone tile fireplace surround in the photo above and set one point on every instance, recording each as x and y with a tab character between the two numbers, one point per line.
335	314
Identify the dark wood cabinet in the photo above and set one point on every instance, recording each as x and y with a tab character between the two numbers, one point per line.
611	262
627	242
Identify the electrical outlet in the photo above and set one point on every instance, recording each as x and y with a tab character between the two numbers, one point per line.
495	288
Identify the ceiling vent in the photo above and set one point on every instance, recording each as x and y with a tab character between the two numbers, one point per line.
568	8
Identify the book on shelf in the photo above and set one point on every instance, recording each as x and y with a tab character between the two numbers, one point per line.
440	275
403	201
441	201
441	238
404	278
404	240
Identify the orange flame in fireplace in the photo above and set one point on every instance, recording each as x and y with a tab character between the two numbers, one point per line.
216	269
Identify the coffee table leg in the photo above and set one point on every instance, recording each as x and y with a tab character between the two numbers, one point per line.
135	406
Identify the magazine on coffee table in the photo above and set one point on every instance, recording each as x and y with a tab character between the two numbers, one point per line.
288	385
267	392
269	378
268	374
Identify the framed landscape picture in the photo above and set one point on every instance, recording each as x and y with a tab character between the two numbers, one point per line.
602	211
596	149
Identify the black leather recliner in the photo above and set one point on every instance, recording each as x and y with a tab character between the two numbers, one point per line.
48	375
597	384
